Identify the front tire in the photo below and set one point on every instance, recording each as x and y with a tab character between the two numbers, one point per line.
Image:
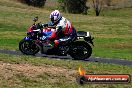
81	50
28	47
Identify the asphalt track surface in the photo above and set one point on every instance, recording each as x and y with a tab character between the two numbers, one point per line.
91	59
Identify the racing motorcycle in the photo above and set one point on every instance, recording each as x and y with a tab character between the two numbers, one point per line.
79	48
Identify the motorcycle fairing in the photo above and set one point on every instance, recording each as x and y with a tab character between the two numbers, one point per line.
26	38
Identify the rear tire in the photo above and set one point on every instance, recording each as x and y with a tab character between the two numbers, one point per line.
77	51
28	47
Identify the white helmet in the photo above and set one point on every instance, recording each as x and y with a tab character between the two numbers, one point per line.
55	16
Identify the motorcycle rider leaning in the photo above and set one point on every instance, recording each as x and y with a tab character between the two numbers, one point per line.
64	31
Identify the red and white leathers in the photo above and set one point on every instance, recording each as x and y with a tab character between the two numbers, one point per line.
64	31
66	26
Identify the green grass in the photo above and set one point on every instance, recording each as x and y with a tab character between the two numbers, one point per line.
127	13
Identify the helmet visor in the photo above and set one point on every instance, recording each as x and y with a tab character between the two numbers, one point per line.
52	18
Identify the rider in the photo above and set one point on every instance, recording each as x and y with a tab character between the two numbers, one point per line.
64	31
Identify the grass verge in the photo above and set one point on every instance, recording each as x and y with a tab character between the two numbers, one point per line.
32	72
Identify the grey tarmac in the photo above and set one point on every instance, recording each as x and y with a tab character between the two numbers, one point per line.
91	59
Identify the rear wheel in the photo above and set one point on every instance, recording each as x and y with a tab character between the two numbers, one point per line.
81	50
28	47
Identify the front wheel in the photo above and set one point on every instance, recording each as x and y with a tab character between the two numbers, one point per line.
28	47
80	50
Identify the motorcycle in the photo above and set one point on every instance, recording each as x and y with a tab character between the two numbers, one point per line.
79	49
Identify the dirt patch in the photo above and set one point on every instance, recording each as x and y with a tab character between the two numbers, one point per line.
7	70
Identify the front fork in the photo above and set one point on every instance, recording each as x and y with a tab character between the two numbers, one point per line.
39	45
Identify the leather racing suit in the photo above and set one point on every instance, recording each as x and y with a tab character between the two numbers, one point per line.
64	32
